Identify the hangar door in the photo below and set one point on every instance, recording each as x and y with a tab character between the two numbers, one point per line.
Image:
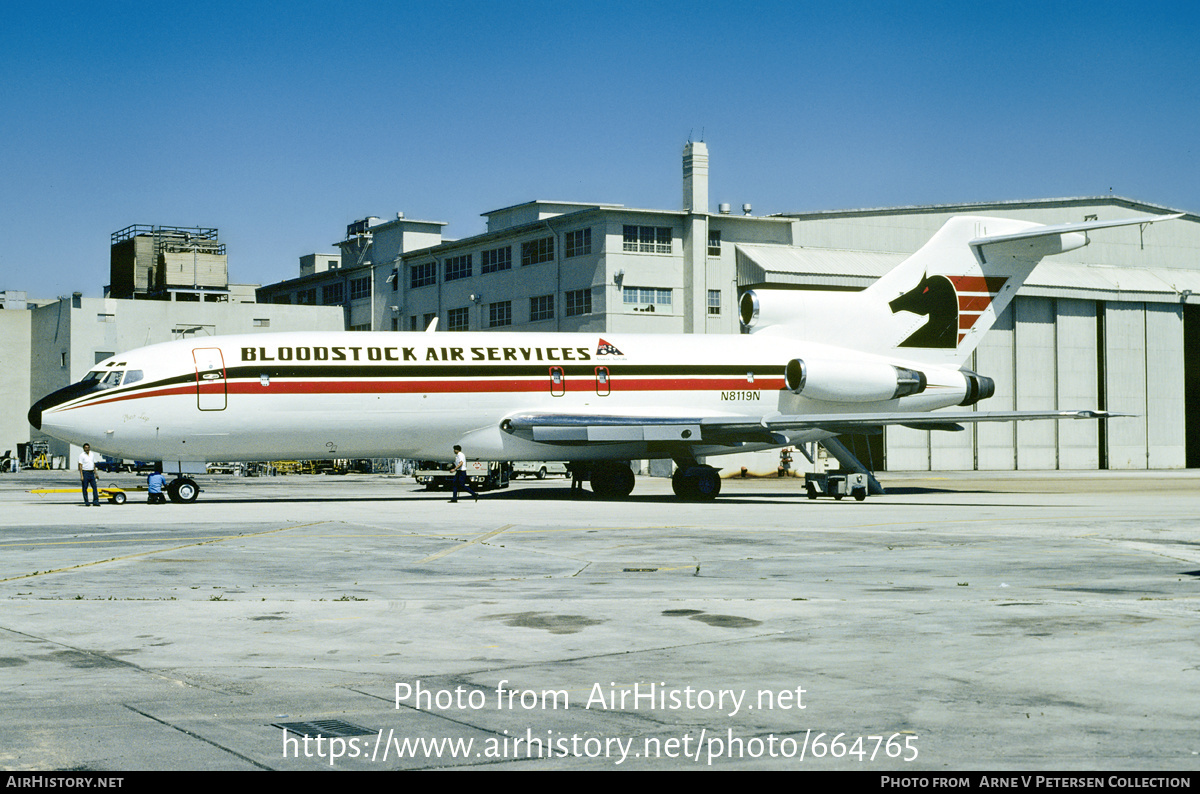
1191	376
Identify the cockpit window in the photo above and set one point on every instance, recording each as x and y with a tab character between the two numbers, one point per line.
100	379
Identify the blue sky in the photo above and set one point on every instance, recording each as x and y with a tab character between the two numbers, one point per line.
280	123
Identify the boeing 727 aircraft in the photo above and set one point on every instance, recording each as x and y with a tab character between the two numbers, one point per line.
814	365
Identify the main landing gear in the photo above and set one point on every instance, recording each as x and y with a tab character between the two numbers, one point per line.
692	481
695	482
611	480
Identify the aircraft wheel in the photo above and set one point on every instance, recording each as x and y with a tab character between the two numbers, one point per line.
612	480
683	486
696	483
183	490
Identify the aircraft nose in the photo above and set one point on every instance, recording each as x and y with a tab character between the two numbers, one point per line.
35	414
57	398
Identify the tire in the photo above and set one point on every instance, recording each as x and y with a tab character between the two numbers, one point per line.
541	475
696	484
612	480
811	489
118	498
183	490
683	486
860	494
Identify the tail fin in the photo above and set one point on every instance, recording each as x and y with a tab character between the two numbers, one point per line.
935	306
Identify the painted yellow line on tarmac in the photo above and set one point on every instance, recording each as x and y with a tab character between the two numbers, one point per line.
469	543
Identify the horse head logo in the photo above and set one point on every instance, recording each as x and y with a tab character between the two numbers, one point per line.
934	297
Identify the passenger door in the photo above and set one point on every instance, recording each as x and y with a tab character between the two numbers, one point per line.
211	392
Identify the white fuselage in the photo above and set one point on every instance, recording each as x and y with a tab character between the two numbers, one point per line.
414	395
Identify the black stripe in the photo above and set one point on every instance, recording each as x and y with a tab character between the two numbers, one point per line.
475	369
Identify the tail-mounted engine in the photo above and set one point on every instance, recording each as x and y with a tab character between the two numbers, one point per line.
852	382
979	387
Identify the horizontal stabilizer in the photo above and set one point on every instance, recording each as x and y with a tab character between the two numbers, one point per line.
1068	228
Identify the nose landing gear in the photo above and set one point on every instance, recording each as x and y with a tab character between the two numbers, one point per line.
183	490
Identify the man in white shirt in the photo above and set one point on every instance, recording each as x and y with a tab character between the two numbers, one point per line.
460	474
87	474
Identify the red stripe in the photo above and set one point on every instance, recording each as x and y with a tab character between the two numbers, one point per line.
576	384
990	284
974	304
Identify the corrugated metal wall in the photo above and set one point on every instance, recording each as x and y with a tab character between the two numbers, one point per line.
1044	353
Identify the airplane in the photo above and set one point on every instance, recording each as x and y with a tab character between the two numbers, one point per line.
813	365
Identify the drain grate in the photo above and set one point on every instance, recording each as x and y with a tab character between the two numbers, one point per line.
330	729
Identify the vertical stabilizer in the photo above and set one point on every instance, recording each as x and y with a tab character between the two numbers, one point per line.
935	306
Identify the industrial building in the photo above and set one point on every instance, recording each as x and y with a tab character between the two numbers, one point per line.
1114	325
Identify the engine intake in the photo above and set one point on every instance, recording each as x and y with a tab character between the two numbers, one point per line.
852	382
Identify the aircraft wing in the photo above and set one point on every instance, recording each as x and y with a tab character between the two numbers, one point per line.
565	428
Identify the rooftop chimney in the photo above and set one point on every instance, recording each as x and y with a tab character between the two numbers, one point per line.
695	177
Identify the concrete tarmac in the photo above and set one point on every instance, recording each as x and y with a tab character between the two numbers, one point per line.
961	622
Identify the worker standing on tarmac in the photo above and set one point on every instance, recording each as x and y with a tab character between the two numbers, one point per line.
87	475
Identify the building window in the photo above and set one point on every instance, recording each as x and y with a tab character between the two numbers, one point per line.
363	327
537	251
360	288
541	308
458	319
283	300
428	320
714	302
333	294
423	275
646	299
495	260
394	280
579	302
307	297
714	243
578	243
458	267
262	322
499	314
647	239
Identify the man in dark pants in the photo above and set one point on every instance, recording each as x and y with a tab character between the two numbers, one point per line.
460	474
87	475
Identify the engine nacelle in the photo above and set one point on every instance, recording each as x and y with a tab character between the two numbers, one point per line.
807	311
851	381
979	387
